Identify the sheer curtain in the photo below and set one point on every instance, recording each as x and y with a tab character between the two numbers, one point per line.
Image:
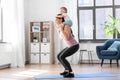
72	12
13	30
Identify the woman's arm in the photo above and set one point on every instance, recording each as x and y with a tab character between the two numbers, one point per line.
66	32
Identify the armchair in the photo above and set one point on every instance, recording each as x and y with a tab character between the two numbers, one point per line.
103	53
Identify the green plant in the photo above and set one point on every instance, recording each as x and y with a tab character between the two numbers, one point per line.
112	26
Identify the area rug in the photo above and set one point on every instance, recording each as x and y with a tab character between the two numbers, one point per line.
78	75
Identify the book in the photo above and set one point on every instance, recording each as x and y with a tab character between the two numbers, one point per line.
35	29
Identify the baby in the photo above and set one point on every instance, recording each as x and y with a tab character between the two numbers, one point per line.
67	20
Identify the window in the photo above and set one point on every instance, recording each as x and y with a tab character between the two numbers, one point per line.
85	3
86	20
117	2
101	17
103	3
91	17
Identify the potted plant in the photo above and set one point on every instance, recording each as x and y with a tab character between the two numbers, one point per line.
112	27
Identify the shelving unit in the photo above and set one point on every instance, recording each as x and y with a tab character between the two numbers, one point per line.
41	42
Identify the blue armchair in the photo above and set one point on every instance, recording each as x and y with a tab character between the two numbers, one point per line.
103	53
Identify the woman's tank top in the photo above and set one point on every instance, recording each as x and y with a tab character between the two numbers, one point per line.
71	41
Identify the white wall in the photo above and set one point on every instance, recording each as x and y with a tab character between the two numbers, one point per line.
92	47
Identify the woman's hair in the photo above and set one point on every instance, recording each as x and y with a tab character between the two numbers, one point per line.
59	16
63	19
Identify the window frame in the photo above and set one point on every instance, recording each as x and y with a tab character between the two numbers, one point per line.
94	8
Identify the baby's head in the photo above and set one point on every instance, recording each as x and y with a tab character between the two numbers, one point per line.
63	10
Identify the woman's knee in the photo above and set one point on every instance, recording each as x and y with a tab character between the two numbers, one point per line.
58	56
62	57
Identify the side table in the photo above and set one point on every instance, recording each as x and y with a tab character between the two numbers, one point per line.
89	52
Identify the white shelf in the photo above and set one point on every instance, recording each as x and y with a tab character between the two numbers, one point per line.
35	48
45	47
45	58
35	58
41	51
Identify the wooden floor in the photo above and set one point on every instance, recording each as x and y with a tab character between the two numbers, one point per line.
29	71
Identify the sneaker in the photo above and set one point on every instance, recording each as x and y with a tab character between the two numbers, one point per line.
63	73
69	75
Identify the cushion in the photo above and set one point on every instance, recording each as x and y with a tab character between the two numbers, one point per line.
114	46
108	53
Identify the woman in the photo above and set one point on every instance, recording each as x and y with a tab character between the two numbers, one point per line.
72	46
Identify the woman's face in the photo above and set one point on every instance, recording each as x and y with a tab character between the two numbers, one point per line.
58	20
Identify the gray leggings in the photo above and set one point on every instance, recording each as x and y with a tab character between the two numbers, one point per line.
65	53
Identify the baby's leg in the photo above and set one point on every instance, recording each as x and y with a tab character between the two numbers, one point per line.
68	22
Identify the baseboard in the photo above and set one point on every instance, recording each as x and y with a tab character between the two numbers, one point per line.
5	66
